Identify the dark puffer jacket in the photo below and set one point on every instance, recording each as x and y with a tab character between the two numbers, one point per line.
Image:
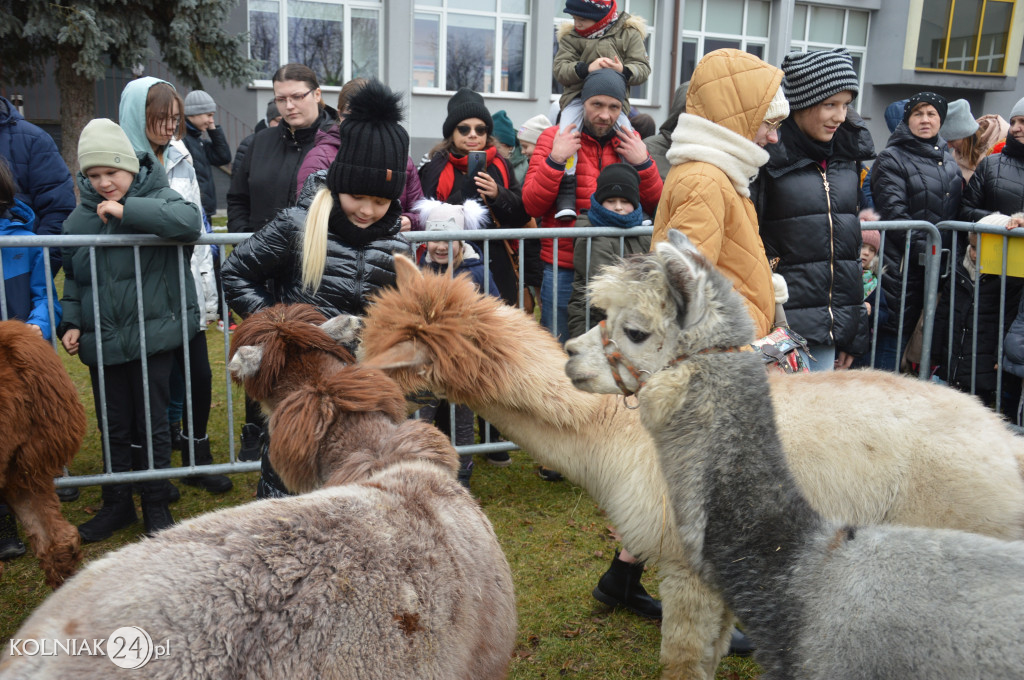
266	268
913	179
812	227
205	156
996	186
265	181
956	369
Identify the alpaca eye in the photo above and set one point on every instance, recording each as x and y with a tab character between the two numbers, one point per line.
636	336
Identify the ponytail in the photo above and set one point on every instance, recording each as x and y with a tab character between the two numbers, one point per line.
314	240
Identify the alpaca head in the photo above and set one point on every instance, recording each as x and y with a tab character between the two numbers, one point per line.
284	343
661	306
438	334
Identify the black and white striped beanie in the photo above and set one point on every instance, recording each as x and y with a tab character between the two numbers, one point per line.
813	77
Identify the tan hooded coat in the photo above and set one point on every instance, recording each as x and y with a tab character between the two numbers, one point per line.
713	155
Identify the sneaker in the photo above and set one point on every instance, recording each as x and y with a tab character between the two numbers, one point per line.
499	458
10	545
549	475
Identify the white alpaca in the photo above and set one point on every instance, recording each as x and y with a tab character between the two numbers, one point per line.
389	571
917	455
821	600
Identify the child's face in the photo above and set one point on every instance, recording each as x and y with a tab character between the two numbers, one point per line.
867	254
618	205
581	24
440	252
527	148
363	211
110	183
164	128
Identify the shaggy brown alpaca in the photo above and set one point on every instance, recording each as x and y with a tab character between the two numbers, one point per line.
918	456
41	428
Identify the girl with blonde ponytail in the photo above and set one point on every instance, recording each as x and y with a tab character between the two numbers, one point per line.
336	247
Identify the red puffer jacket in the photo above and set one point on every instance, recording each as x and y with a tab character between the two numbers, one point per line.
541	185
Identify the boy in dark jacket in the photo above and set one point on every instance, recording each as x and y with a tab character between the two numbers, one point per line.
125	193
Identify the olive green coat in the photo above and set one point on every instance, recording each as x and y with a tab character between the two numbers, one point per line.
623	39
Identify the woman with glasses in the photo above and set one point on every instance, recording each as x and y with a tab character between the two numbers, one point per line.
717	146
265	182
808	196
445	176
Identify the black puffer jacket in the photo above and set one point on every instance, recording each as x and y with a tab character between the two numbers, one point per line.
264	181
206	155
997	184
913	179
266	268
956	369
815	233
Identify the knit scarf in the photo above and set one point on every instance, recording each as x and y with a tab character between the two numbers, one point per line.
446	182
870	282
601	216
599	28
698	139
358	237
811	148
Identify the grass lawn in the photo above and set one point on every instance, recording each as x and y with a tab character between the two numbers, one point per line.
556	540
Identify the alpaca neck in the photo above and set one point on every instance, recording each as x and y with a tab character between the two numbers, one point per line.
726	471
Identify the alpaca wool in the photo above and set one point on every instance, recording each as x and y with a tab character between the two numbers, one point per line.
959	122
813	77
938	101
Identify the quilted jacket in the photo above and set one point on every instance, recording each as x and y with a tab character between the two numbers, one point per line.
623	39
541	185
713	159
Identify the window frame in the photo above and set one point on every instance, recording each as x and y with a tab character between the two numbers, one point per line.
977	42
441	11
700	36
857	51
346	7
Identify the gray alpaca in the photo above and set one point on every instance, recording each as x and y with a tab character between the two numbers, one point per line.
819	599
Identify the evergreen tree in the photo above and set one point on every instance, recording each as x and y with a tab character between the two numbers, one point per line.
85	37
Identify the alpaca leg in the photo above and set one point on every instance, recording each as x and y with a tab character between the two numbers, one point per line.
53	539
691	626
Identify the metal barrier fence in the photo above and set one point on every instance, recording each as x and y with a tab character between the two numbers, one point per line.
936	265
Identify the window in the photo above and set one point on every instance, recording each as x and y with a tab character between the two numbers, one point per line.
638	94
338	39
968	36
822	28
479	44
713	24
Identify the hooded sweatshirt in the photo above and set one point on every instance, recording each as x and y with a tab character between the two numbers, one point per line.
713	159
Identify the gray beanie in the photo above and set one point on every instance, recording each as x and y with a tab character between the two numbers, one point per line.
272	111
959	122
1018	108
604	81
104	144
198	102
813	77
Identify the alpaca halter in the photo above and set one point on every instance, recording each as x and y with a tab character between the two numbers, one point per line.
616	359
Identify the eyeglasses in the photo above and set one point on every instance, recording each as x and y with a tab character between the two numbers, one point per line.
293	98
465	129
772	127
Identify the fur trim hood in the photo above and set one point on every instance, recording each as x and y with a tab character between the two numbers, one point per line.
698	139
624	21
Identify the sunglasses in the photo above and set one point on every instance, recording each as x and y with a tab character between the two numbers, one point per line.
465	129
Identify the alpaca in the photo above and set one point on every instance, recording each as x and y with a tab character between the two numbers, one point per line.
42	423
391	570
911	458
821	599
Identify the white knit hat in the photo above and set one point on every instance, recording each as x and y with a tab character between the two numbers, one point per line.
778	107
440	216
530	130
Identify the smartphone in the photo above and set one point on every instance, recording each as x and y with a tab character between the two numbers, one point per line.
476	163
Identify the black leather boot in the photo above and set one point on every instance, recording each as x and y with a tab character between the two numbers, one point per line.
565	201
251	434
211	483
620	587
156	514
740	644
118	512
10	545
177	442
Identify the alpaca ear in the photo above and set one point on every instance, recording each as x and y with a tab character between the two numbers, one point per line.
680	241
403	355
343	329
685	283
406	272
246	362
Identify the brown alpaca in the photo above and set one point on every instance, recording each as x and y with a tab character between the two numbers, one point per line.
41	428
916	455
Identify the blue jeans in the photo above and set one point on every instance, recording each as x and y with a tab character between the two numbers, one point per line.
824	357
556	320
